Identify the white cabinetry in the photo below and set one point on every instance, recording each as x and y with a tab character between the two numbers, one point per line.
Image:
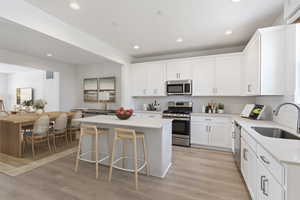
204	77
228	75
264	61
262	173
211	131
179	70
217	76
148	79
248	167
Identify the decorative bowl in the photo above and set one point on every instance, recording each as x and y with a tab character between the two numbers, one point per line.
124	116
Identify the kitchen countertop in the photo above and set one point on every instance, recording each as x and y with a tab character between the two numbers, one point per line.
133	121
283	150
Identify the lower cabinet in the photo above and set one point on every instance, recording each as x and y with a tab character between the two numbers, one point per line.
267	187
260	179
248	168
211	131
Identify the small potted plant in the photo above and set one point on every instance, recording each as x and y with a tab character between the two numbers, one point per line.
221	108
39	105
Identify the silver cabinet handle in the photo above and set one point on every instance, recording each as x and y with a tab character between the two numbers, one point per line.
210	129
244	155
263	158
249	87
265	181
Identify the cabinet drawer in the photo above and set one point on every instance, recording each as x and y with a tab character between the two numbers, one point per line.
249	140
211	119
271	164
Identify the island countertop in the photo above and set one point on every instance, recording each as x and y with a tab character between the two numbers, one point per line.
133	121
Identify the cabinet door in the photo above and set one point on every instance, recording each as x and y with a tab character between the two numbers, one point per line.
156	79
244	162
267	187
249	167
252	67
204	77
180	70
220	135
199	133
139	80
228	75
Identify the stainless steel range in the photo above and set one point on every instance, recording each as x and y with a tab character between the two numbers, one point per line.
180	112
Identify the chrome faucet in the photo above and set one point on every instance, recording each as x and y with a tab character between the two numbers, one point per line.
276	111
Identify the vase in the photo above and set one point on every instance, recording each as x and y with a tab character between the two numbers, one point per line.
220	111
39	111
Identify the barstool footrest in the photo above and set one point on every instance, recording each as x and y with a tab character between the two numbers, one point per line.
124	169
92	161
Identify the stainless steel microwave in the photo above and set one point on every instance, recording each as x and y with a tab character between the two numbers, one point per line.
182	87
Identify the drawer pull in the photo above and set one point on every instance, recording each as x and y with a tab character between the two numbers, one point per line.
266	181
263	158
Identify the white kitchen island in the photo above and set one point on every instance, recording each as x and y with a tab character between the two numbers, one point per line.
158	136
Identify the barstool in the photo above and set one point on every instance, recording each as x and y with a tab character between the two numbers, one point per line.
90	130
123	134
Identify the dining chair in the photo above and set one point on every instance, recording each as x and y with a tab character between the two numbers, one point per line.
60	128
39	133
3	114
2	107
74	126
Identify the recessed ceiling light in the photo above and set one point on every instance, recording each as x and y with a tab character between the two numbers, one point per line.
179	39
74	5
49	54
136	46
235	1
228	32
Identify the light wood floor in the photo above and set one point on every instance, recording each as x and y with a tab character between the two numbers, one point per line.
196	174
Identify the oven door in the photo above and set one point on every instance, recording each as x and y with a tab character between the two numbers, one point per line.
181	132
175	89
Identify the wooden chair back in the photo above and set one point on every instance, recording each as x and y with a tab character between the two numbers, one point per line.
41	126
77	115
88	130
125	133
61	122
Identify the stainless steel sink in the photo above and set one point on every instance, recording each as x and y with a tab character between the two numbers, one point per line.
275	133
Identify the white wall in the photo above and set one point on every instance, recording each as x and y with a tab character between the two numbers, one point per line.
42	88
3	87
97	71
67	75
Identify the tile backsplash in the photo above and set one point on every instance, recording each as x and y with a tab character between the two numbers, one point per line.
233	105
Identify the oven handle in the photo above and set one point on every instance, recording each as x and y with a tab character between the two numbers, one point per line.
181	119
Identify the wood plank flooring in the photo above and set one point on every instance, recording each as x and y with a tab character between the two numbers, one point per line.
196	174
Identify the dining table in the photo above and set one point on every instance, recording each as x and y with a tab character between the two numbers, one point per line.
12	130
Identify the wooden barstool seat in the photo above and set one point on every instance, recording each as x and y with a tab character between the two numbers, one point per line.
91	131
123	134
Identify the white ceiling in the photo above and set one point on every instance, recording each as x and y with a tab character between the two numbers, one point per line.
201	23
10	69
18	38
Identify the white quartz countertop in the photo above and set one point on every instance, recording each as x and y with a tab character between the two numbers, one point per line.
142	122
283	150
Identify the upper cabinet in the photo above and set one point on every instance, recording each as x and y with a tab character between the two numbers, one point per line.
179	70
148	79
264	63
217	76
291	10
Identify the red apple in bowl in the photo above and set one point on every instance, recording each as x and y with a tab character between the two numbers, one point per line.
123	114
